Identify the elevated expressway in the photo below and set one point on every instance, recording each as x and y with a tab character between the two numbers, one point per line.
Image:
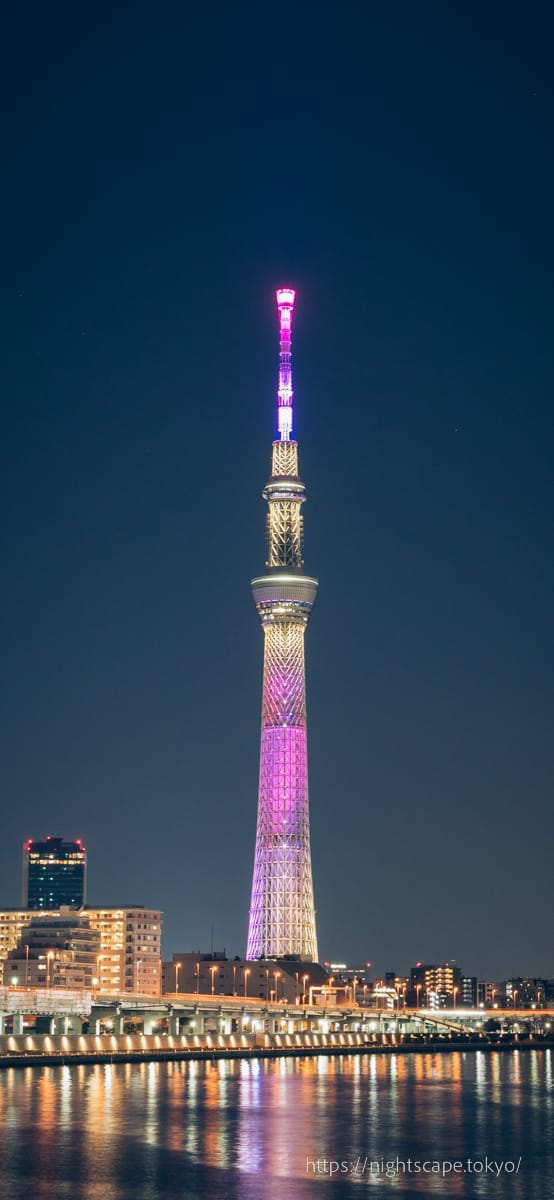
197	1014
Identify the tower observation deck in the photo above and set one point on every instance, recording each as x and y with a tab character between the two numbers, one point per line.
282	914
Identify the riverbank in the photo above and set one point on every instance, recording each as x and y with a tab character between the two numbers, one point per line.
39	1051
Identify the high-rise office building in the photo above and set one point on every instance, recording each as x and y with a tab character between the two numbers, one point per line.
282	914
54	874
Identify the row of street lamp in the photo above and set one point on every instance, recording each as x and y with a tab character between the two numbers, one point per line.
247	971
214	968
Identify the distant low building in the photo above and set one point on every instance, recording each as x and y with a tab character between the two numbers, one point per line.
522	992
54	950
128	956
518	992
469	991
435	986
350	982
491	994
201	973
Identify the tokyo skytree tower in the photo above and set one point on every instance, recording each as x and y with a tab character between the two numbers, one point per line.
282	914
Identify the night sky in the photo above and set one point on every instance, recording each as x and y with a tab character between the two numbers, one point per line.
165	168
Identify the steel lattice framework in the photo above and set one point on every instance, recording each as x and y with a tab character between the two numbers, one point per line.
282	914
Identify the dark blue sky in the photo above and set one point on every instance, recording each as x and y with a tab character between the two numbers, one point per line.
165	168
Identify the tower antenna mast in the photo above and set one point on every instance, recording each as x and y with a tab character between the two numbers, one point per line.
285	304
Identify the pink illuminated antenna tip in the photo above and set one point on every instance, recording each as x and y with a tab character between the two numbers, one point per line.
285	303
285	297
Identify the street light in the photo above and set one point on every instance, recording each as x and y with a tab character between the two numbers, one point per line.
277	976
98	980
138	964
246	974
418	989
49	957
213	971
515	998
455	991
178	966
197	978
304	981
234	979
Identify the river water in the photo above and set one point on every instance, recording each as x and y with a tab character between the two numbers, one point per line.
476	1124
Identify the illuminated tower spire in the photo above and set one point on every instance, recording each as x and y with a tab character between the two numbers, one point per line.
282	914
285	304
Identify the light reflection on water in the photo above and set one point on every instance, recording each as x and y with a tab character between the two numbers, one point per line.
240	1130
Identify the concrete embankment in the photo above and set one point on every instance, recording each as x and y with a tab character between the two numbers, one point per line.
37	1050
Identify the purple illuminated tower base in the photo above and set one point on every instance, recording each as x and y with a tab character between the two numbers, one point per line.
282	914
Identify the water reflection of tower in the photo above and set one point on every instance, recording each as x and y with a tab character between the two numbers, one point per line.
282	914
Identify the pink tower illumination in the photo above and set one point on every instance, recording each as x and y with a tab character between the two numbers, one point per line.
285	304
282	913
